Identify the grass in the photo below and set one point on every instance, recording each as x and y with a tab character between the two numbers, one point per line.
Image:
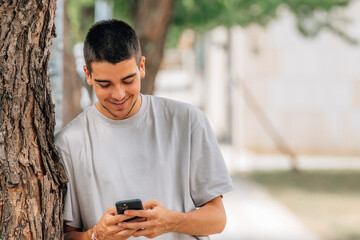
327	202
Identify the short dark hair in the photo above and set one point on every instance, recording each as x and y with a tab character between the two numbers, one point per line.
112	41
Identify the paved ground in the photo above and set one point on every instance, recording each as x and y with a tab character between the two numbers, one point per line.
252	213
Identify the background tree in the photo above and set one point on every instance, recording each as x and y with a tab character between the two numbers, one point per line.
151	21
71	81
31	174
158	22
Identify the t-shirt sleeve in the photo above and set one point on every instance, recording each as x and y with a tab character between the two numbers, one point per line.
209	177
72	216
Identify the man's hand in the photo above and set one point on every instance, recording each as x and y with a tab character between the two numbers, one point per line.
159	220
108	227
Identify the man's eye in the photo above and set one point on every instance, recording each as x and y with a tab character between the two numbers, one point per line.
130	82
103	86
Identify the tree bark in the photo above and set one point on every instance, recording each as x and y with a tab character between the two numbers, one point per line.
151	22
31	174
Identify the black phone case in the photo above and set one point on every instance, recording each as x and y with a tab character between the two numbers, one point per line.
133	204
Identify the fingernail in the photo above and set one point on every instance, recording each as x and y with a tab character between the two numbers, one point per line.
126	212
120	224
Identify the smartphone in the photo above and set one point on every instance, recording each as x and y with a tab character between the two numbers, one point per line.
134	204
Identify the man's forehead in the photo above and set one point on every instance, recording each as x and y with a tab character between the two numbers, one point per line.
128	60
131	58
125	64
113	71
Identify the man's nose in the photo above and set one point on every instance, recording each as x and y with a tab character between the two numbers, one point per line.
118	92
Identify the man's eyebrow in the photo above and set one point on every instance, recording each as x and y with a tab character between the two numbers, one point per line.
124	78
100	81
129	76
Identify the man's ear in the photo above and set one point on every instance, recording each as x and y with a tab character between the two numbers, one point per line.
142	67
87	75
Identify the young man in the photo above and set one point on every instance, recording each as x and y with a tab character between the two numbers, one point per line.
130	145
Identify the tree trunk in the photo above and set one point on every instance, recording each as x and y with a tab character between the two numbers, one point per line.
151	22
71	90
31	175
71	83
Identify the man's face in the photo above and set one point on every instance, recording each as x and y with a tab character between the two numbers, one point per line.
117	87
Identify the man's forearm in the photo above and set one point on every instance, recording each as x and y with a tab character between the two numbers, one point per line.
75	235
208	219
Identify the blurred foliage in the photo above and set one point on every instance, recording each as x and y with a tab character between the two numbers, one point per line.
312	16
81	16
123	9
202	15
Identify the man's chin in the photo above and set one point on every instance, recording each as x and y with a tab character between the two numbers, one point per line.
118	114
113	113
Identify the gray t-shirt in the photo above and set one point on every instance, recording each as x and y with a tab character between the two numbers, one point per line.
166	151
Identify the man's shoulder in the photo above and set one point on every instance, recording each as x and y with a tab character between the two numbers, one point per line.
181	113
175	106
72	130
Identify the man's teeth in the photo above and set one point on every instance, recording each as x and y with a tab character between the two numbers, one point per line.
119	102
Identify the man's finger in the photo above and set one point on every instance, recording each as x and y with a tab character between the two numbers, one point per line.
140	219
142	232
138	213
114	229
136	225
114	220
111	210
150	204
125	233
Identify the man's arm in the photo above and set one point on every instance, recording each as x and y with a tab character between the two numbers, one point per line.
72	233
208	219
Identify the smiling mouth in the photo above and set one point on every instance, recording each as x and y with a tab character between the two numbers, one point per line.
122	102
119	103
